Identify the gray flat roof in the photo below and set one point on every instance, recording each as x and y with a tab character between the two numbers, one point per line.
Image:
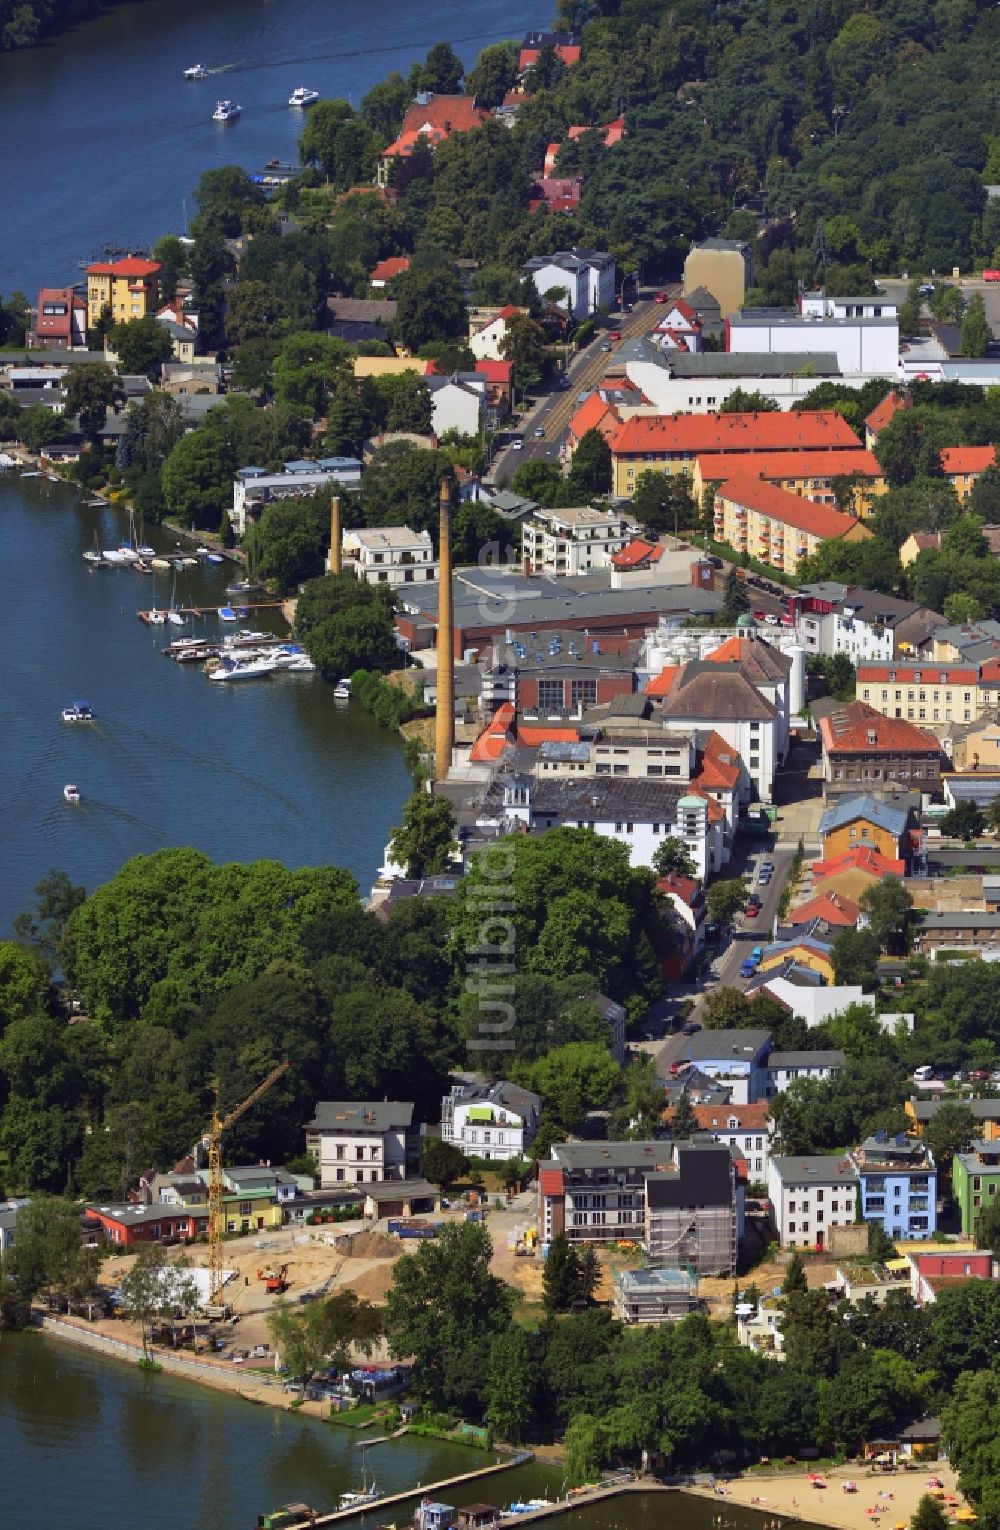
828	1059
720	364
611	1155
815	1169
483	598
361	1115
961	919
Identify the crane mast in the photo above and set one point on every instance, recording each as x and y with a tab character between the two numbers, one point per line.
218	1125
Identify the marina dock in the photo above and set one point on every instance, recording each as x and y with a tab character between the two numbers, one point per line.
423	1490
202	611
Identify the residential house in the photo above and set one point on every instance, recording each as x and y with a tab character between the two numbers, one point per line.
724	267
846	874
129	288
941	1269
488	330
673	443
866	345
783	1068
586	277
962	465
777	528
870	627
597	412
659	1295
809	1195
60	320
678	328
360	1142
133	1224
865	751
717	696
760	1329
683	1200
574	541
745	1129
771	671
897	1184
803	993
735	1058
829	908
8	1221
556	194
859	1283
975	1180
493	1121
182	379
964	931
253	487
499	377
878	419
610	133
565	45
920	691
392	555
354	320
857	821
985	1113
811	475
966	643
975	746
918	542
615	1017
385	272
428	122
458	403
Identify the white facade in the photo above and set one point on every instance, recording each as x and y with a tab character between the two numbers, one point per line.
587	275
575	541
751	1143
784	1068
815	1005
498	1124
809	1196
875	306
357	1143
392	555
706	395
755	742
486	343
866	345
457	404
253	488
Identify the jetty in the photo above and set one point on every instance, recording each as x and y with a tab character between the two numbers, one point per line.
201	611
422	1490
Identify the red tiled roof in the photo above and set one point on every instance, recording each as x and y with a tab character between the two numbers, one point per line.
661	683
716	812
967	459
511	311
859	858
568	52
387	270
883	412
792	465
790	509
493	740
937	673
831	906
495	371
592	414
636	554
751	1118
685	888
550	1181
696	434
719	765
132	265
990	669
857	728
434	121
528	733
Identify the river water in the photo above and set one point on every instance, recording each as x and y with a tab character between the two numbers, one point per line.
270	768
88	1443
104	139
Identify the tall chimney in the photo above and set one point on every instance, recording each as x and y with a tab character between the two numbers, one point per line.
444	733
333	562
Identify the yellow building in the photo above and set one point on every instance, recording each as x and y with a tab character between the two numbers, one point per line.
724	267
922	693
804	953
388	366
129	288
860	822
977	746
962	465
775	527
811	475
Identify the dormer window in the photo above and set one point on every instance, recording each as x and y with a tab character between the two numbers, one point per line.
733	1123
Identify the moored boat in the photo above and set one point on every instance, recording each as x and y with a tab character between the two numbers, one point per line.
227	614
342	690
243	669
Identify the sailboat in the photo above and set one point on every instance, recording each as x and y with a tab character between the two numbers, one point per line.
369	1492
94	556
173	615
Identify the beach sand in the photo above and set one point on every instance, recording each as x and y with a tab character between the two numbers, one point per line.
790	1495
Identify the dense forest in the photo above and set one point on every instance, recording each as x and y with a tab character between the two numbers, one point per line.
26	22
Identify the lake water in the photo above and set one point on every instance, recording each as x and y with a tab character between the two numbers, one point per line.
105	138
272	769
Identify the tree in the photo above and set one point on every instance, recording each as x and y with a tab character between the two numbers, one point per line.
511	1385
855	958
735	599
445	1308
326	1330
254	311
48	1253
725	899
587	1447
346	625
960	608
425	840
671	854
795	1275
140	345
964	821
523	344
742	401
172	256
23	981
442	1162
590	474
976	334
154	1288
987	1226
91	390
429	303
441	72
929	1515
561	1275
573	1079
880	1245
664	501
683	1121
493	75
887	906
198	479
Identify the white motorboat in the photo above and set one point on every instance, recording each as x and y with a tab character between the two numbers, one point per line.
160	564
71	793
175	618
303	96
342	690
80	711
216	557
156	618
302	665
93	557
145	551
245	669
226	111
196	72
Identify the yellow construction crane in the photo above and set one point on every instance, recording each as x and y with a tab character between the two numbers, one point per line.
213	1137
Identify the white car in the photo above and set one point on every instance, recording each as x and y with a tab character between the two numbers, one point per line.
540	433
517	446
771	619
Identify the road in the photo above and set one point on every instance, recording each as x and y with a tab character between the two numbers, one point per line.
753	932
557	407
896	289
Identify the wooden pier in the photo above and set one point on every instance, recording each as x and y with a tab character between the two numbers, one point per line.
423	1490
202	611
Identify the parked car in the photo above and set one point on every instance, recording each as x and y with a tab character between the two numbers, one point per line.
759	616
614	334
661	297
926	288
786	620
692	1027
771	619
517	446
766	865
748	967
753	908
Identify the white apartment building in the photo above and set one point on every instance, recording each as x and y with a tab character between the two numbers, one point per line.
783	1068
356	1142
588	276
808	1196
494	1121
457	403
575	541
817	305
392	555
746	1129
254	488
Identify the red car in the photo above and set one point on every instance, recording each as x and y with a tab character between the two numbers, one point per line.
661	297
753	908
758	616
614	334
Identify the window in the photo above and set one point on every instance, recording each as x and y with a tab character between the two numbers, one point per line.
550	694
245	1208
791	1227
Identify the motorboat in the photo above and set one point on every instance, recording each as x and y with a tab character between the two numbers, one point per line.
201	551
196	72
227	614
303	96
71	793
214	558
243	669
145	551
160	564
175	618
243	587
226	111
356	1500
94	557
80	711
141	566
122	556
156	618
342	690
301	665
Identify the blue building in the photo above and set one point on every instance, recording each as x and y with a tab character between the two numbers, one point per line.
897	1183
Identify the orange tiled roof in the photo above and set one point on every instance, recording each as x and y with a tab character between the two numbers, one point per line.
859	858
132	265
532	735
661	683
751	1118
967	459
804	515
495	737
495	371
883	412
686	888
857	728
550	1181
637	553
434	121
717	466
696	434
716	812
386	270
719	766
833	907
930	674
592	414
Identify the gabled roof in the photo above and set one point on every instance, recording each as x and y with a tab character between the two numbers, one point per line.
751	1118
661	683
860	858
388	270
132	265
758	661
685	888
917	671
804	515
592	414
857	728
637	554
495	371
967	459
693	434
883	412
432	121
705	692
832	907
791	465
884	815
718	765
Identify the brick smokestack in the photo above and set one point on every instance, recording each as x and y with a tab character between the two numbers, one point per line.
334	560
444	732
